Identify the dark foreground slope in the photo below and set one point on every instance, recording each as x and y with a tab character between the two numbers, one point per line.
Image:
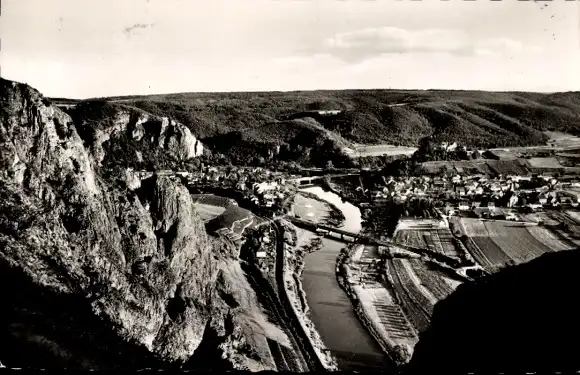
523	318
94	273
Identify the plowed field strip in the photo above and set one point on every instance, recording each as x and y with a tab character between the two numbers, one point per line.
492	252
435	284
550	239
415	310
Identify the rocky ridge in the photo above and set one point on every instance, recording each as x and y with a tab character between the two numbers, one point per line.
133	275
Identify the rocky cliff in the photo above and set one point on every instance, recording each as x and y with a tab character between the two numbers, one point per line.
112	130
94	274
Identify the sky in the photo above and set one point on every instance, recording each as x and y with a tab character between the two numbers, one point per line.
92	48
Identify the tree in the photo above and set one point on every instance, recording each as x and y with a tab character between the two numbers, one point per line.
329	165
402	353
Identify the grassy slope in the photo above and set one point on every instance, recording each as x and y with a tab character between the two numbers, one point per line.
476	118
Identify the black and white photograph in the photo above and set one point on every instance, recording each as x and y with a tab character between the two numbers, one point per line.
357	186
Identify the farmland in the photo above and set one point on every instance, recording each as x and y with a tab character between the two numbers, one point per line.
575	215
415	304
210	206
223	215
378	150
208	212
569	228
495	243
550	239
515	241
436	240
431	279
491	251
467	167
376	305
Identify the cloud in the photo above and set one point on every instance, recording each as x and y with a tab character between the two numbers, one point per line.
137	26
498	47
376	41
307	61
371	42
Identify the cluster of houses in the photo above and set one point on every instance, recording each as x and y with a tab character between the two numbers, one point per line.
478	191
263	187
269	194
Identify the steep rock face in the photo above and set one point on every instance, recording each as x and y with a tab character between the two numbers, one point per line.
100	122
129	270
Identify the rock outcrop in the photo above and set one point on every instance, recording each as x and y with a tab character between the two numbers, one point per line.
100	122
93	274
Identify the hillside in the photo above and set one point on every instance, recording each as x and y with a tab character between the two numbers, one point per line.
97	274
521	319
474	118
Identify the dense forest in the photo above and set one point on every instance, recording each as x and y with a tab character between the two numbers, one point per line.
280	127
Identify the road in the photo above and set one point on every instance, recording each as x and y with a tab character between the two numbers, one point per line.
306	348
300	357
286	359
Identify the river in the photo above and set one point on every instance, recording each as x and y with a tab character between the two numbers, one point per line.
330	308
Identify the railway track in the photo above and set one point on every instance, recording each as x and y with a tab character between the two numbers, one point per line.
287	359
300	356
305	346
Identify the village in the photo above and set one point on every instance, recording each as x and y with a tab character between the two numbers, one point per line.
480	194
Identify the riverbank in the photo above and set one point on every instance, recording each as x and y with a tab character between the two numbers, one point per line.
294	253
399	348
334	217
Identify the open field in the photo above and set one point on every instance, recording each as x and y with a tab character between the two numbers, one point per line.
417	307
559	139
436	240
575	215
431	279
498	242
484	166
223	215
550	162
550	239
234	220
212	200
208	212
310	209
378	150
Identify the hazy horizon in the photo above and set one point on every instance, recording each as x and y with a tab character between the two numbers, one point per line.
87	48
291	91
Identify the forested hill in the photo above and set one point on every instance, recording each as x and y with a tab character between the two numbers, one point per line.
473	118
